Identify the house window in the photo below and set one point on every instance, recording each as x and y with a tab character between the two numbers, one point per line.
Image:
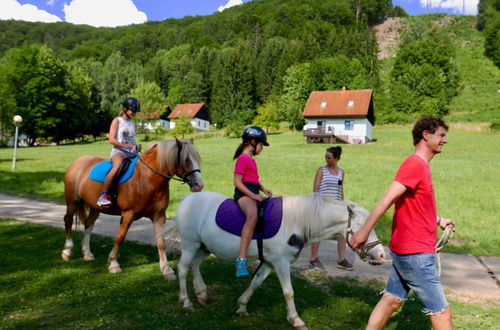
350	104
349	125
324	104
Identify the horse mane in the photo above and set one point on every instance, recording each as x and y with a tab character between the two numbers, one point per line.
167	154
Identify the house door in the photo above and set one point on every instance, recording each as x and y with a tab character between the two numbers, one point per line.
321	126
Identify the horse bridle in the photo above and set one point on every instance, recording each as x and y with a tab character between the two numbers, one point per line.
363	250
183	179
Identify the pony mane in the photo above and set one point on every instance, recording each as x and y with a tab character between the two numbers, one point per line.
167	154
305	212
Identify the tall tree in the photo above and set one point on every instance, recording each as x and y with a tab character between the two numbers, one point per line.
232	100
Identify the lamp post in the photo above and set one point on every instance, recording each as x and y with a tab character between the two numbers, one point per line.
17	120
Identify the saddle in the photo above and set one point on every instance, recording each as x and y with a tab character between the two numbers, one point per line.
100	170
230	218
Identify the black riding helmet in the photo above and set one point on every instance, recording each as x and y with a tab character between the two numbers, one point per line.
132	103
254	132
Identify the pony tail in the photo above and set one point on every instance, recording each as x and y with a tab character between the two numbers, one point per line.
239	150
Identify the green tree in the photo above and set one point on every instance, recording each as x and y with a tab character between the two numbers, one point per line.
182	126
298	84
44	93
152	101
232	99
117	79
267	116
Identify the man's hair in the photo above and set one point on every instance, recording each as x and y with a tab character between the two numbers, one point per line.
430	124
335	151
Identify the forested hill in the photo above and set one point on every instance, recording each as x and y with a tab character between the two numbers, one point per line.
313	21
255	63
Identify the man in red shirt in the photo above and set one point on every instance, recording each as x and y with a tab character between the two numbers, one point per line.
414	231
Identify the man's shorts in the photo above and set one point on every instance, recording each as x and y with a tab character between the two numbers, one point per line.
417	272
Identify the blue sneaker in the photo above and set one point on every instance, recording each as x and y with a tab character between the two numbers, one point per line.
241	268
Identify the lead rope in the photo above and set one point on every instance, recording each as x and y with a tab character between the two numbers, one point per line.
445	237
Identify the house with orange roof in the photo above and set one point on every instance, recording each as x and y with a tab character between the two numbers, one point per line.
198	113
344	116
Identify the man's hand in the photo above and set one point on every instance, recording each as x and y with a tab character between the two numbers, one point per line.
358	239
443	223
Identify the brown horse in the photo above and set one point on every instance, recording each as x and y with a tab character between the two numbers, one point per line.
145	194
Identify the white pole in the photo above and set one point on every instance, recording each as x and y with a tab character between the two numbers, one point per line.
17	120
15	149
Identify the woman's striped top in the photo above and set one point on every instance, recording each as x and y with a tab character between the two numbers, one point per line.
331	185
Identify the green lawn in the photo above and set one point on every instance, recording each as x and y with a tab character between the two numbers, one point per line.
465	175
38	290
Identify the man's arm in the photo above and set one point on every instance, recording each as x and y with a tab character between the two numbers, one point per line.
395	191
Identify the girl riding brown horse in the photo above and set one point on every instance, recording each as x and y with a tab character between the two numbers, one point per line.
145	194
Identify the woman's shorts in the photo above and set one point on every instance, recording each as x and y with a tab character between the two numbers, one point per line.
252	186
417	272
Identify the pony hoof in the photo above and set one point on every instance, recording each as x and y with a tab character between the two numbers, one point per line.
115	270
202	302
242	312
301	327
170	276
189	308
89	257
65	256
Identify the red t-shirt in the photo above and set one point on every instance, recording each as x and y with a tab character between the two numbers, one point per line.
247	167
414	228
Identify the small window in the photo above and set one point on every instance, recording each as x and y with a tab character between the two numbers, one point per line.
349	125
324	104
350	104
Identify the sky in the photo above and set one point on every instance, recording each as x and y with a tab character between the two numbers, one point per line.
112	13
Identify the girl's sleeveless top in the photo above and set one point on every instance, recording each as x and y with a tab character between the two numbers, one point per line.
331	185
126	131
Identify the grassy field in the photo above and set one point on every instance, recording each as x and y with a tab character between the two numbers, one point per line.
465	175
38	290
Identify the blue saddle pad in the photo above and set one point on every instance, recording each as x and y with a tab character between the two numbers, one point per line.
100	170
230	218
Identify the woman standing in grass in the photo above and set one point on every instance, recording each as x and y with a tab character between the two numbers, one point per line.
247	188
329	181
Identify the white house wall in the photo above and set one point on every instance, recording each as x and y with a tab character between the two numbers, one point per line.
362	129
198	124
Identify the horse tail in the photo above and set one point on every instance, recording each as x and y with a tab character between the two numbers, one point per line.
171	235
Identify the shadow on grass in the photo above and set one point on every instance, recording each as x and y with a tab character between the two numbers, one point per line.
40	290
36	185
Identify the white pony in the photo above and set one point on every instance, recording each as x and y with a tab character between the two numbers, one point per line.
306	219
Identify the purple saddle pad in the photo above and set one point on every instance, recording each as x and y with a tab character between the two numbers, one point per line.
230	218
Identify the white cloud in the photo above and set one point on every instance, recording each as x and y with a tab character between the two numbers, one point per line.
51	2
11	9
229	4
459	7
110	13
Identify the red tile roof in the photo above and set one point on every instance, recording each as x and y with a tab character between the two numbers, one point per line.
188	109
343	103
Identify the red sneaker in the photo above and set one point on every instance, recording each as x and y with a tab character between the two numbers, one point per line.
104	200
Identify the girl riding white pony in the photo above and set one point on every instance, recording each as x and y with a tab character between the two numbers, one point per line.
306	219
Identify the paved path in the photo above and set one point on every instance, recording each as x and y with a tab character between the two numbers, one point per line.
462	273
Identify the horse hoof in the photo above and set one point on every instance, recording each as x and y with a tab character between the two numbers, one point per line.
202	302
115	270
65	256
301	327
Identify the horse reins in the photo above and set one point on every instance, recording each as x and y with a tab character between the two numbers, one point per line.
363	250
184	175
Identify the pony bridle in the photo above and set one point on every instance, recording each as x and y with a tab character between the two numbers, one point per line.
363	250
185	178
